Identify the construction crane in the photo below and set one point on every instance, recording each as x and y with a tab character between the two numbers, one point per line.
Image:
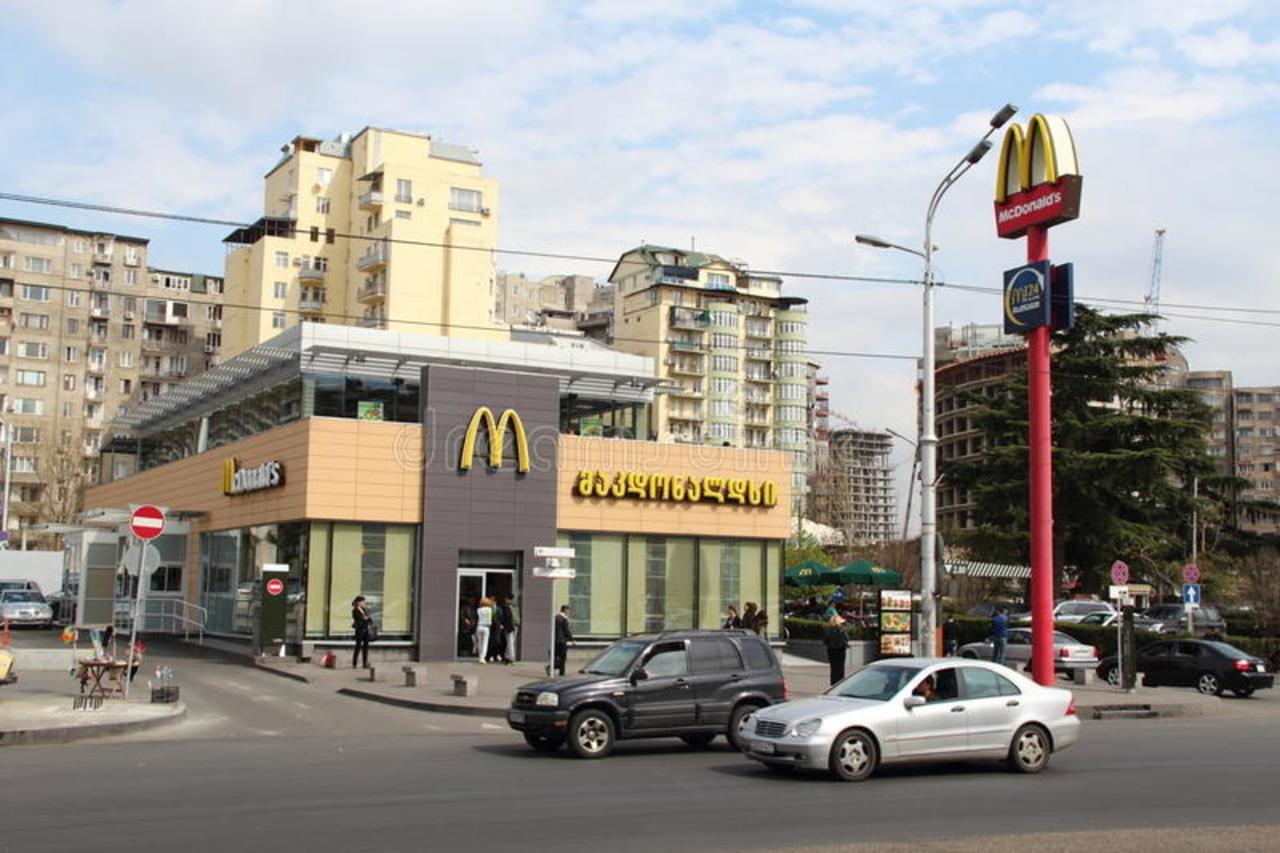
1151	302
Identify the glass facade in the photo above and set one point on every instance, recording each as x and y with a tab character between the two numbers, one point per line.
330	563
631	583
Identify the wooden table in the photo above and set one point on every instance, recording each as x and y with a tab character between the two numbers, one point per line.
92	672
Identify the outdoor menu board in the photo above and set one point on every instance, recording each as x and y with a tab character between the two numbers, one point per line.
895	622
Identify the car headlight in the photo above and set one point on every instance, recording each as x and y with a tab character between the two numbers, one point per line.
548	699
808	728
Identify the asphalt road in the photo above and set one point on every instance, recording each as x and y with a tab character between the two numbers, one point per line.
267	763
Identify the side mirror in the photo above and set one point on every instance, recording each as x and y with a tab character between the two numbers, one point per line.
913	701
638	675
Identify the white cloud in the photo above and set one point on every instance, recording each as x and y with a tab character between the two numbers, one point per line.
1228	47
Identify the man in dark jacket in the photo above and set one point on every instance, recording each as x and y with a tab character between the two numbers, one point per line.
950	636
564	636
837	643
999	634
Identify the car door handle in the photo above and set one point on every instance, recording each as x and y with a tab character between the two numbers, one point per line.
1012	703
736	677
956	709
680	682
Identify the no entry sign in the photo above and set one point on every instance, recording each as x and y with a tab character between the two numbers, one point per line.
275	586
147	522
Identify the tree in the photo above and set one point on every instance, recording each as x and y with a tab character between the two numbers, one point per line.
1126	450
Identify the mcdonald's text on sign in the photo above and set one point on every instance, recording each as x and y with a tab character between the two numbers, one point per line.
147	522
240	481
496	430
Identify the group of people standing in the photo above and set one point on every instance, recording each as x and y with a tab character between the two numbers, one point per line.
494	626
752	618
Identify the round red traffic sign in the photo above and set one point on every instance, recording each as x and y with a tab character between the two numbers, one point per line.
147	522
1191	573
275	586
1119	573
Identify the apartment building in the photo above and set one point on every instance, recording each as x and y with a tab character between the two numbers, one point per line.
731	347
385	230
859	499
87	328
555	301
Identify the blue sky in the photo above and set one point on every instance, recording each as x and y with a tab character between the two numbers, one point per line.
769	132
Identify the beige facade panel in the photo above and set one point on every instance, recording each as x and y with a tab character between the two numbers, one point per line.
634	515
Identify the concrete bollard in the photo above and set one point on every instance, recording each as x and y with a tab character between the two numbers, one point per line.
465	685
414	676
1082	676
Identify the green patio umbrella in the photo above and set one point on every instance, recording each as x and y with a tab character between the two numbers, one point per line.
864	573
807	573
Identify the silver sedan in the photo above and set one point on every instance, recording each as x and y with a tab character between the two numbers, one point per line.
913	710
1068	652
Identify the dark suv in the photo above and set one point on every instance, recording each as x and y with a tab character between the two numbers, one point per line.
688	684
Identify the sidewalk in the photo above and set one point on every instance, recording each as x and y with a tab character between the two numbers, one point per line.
38	710
498	683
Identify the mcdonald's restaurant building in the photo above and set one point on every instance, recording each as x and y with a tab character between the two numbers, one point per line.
422	473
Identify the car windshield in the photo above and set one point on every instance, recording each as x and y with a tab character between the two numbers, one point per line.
21	595
615	659
1064	640
880	683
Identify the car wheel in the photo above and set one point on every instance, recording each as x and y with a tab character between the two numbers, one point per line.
853	756
544	743
1029	752
1244	693
698	740
1111	675
738	722
1208	684
591	734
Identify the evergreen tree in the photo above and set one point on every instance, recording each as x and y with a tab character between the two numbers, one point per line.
1126	449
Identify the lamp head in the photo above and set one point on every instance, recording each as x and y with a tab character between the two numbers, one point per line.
1006	113
869	240
978	152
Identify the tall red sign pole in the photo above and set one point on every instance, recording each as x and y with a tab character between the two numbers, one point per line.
1038	186
1040	443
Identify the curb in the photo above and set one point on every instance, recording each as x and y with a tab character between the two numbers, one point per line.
265	667
69	734
421	705
1139	711
244	660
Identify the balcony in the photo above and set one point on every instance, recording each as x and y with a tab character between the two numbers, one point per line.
689	318
370	200
376	321
687	389
103	258
694	415
757	329
759	354
152	345
687	346
311	304
754	376
373	291
374	259
131	260
310	274
686	367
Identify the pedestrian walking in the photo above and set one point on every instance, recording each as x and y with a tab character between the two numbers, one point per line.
837	643
484	625
564	636
732	619
362	622
749	616
999	634
950	637
497	633
512	626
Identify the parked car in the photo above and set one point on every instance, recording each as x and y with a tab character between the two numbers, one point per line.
11	585
1207	665
1174	618
1108	620
1071	611
913	709
694	685
25	607
987	609
1068	652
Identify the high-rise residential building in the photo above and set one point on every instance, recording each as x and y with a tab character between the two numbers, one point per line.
556	301
386	230
858	495
87	328
732	348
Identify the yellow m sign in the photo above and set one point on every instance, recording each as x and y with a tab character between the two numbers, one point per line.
497	433
1041	155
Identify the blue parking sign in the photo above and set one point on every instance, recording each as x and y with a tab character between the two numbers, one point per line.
1191	593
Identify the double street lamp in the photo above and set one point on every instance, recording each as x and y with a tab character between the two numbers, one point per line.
928	431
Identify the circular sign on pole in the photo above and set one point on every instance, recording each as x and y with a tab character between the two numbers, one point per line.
1191	573
147	522
275	586
1119	573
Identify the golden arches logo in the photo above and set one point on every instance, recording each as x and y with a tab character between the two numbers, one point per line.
1043	154
497	433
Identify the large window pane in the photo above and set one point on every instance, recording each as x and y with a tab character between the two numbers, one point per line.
773	587
318	580
594	595
376	561
722	564
397	581
344	578
660	585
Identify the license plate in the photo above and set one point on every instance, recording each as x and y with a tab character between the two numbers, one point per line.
1262	667
516	716
763	748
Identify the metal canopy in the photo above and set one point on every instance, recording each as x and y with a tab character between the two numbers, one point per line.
970	569
585	369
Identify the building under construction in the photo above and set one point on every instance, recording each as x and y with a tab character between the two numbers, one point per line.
860	500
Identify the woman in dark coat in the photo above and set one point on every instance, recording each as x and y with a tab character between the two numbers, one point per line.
837	643
363	624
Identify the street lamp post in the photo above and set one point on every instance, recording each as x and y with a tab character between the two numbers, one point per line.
928	431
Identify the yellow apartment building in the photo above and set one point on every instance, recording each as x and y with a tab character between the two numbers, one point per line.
384	230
